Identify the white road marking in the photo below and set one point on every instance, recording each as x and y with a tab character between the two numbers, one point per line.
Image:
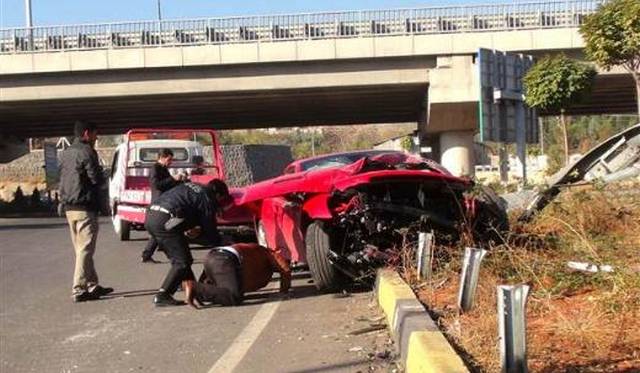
243	342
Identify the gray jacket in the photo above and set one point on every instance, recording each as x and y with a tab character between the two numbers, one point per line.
80	178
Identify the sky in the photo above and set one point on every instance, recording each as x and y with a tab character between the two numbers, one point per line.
63	12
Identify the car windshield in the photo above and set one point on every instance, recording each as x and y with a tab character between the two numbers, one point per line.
336	160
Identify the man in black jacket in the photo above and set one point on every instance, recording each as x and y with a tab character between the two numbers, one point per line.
80	181
160	180
176	212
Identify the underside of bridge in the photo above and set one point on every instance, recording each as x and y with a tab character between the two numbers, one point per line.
354	105
611	94
329	106
280	95
229	97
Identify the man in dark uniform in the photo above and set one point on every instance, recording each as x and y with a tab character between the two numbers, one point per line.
160	180
176	212
231	271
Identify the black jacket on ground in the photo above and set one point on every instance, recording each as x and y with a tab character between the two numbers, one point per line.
80	177
191	202
160	180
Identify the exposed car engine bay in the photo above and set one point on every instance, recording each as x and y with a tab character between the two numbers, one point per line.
374	222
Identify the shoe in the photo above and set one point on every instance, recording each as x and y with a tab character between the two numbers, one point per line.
189	287
149	260
84	296
163	299
100	291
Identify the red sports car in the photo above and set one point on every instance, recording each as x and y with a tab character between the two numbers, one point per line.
343	214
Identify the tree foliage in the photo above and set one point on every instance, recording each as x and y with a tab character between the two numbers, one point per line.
556	82
612	34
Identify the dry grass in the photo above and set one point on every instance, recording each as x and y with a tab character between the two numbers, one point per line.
577	322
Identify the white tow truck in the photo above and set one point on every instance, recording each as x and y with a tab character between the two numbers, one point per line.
129	190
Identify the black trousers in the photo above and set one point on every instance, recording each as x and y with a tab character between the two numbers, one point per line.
221	280
150	249
176	248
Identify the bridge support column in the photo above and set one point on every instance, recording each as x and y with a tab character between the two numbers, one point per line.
457	153
12	148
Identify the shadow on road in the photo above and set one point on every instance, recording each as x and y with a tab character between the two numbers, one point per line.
331	368
131	294
32	226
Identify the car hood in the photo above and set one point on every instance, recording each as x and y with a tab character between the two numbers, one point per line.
363	171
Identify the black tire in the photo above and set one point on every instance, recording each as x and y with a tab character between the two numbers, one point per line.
121	227
125	231
325	276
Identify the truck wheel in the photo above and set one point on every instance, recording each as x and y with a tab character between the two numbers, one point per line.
261	234
121	227
325	276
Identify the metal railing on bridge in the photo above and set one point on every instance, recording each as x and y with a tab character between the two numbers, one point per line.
274	28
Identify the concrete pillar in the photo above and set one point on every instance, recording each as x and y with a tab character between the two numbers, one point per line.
456	149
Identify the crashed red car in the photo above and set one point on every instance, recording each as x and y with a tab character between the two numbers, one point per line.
344	214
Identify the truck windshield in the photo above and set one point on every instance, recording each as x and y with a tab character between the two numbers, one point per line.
151	154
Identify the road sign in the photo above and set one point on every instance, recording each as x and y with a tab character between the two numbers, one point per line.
502	109
51	170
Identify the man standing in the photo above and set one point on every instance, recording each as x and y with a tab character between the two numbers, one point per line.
231	271
176	212
160	180
80	181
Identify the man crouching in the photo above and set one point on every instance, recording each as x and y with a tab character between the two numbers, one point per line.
231	271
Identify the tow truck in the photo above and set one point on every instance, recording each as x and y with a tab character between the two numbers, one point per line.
129	189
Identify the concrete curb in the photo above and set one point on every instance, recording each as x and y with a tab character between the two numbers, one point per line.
421	345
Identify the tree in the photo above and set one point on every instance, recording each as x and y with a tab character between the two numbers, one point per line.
556	82
612	38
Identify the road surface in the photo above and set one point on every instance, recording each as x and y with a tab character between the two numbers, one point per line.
42	330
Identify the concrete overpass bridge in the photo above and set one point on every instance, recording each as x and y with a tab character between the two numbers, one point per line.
283	70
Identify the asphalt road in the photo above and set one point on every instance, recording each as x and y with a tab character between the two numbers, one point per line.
42	330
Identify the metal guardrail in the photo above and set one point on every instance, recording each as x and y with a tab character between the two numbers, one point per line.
350	24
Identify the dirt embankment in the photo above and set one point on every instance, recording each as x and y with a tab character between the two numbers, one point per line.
576	321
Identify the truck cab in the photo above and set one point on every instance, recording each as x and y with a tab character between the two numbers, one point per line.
129	189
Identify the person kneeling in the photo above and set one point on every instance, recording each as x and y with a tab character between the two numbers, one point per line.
187	209
231	271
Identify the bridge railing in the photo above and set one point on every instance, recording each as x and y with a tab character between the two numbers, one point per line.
274	28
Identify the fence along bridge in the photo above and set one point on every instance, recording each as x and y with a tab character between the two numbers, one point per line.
274	28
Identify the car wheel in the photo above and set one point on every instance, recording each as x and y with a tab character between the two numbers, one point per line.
121	227
317	241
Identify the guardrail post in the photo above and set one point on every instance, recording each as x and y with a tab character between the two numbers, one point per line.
425	255
469	277
512	300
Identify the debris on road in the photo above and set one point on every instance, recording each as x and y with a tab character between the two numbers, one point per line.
369	329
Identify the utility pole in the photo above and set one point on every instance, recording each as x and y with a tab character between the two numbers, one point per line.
29	21
159	11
